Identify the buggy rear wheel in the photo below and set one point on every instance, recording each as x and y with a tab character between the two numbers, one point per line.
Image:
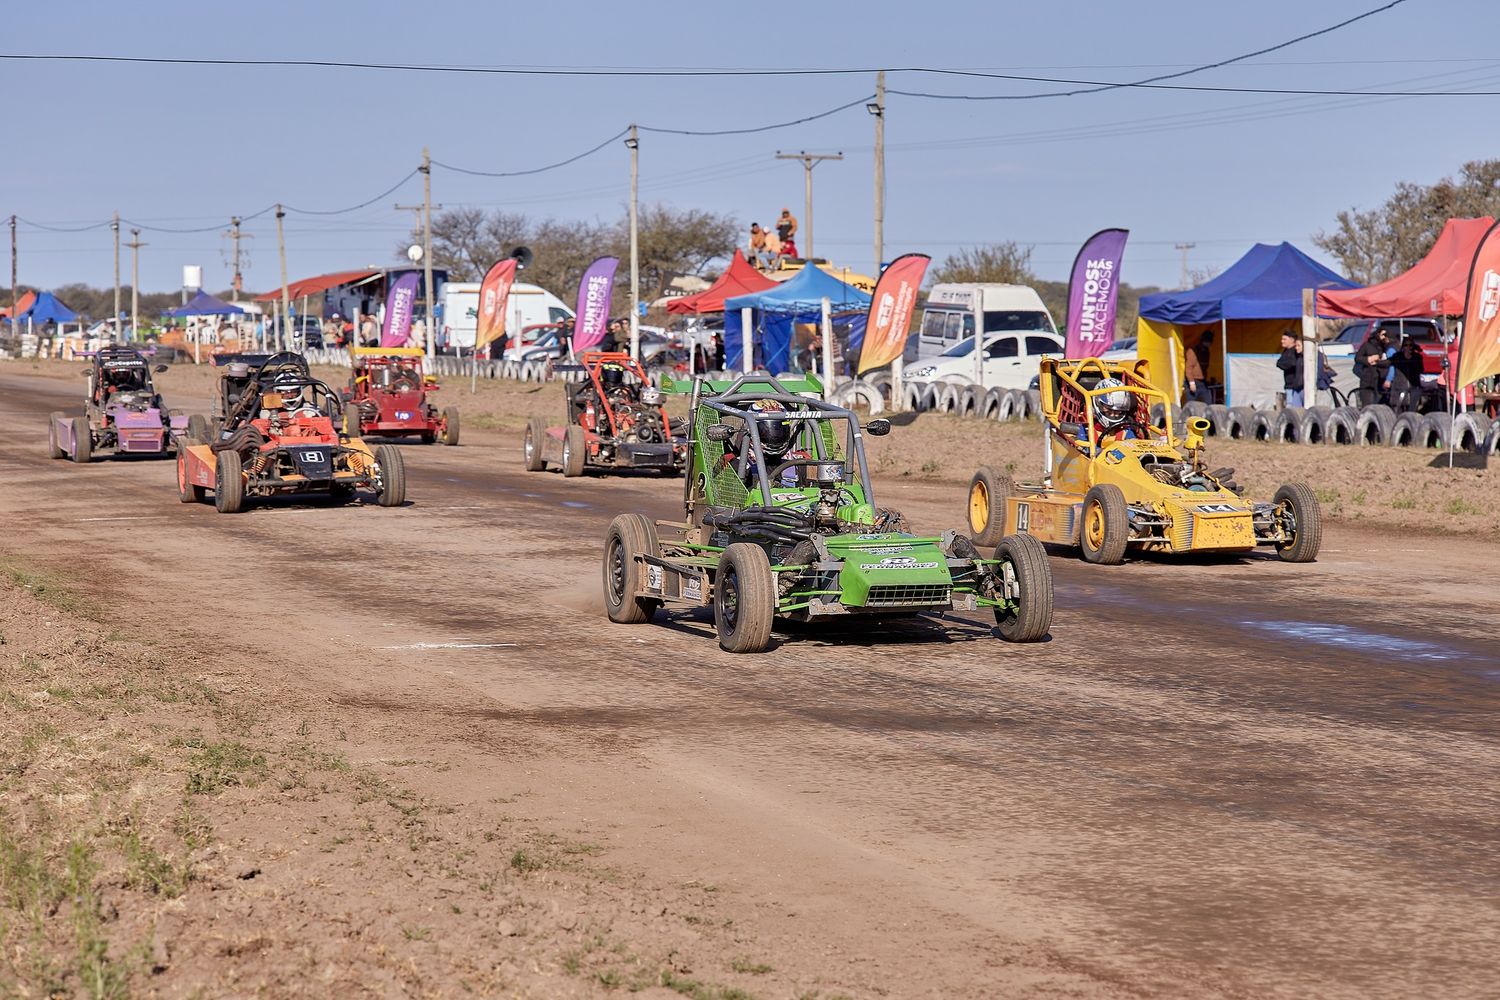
1296	503
1106	525
744	599
531	447
53	449
1026	578
575	448
229	483
83	441
392	476
630	536
987	492
187	492
450	426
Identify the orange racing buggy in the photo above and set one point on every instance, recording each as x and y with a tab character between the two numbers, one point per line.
615	420
278	436
388	397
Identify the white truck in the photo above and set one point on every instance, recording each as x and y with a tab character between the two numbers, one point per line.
1016	331
529	305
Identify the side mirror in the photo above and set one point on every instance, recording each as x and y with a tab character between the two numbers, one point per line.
159	369
879	427
718	433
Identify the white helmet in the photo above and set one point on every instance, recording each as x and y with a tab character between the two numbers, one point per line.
1113	407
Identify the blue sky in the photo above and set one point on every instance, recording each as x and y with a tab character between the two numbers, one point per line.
178	146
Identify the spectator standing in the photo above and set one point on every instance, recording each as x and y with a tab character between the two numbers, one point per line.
1403	377
565	337
368	331
786	232
773	250
1370	363
1290	363
611	341
1195	370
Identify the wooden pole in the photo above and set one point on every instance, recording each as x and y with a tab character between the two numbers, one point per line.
827	328
427	244
1309	350
286	301
634	143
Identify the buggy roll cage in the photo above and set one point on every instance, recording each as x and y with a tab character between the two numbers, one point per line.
734	402
1069	391
290	371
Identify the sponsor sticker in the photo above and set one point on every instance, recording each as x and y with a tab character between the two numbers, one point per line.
312	456
653	577
1023	516
1218	508
693	587
403	414
899	562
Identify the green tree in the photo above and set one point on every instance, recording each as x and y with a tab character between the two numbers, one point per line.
1379	243
1008	262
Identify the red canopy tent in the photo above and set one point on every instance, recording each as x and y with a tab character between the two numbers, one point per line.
1435	285
317	285
739	278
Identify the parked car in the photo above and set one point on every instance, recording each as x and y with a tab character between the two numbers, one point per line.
1428	333
1011	359
953	310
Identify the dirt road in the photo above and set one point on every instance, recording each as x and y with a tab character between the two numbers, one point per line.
1225	778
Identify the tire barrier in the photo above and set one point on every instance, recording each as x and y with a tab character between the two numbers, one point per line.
1342	426
1406	431
1375	424
1033	404
1262	425
1241	424
1218	420
1287	426
1311	428
947	399
989	406
968	401
858	392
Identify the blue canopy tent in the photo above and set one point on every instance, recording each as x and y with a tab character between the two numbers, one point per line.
1245	309
776	310
204	304
47	309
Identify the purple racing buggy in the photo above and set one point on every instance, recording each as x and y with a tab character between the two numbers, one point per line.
124	411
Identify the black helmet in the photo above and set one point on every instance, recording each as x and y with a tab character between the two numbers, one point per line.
775	431
613	376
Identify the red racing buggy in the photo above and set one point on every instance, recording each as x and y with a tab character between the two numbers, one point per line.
615	421
388	397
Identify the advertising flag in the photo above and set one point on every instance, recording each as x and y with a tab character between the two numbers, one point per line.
1094	294
595	292
1479	345
399	304
891	305
494	293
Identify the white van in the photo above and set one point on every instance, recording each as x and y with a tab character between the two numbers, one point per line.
953	310
529	305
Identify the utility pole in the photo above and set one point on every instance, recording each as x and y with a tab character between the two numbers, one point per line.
286	301
809	160
115	319
239	280
13	273
1185	247
634	145
135	245
424	219
878	110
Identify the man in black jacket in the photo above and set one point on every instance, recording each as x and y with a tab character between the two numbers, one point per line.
1370	363
1290	364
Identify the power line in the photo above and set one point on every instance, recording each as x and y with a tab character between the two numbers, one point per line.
762	128
534	170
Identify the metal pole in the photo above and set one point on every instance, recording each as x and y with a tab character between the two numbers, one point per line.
234	226
634	144
879	113
747	348
1309	351
135	245
114	335
1185	247
827	348
13	274
286	301
427	242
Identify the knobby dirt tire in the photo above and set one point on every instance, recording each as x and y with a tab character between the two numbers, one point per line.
744	599
229	483
187	492
986	508
197	429
531	446
83	441
1106	525
450	426
1032	620
575	451
1308	517
630	535
54	450
392	476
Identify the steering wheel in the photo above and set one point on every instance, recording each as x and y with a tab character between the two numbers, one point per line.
282	359
793	463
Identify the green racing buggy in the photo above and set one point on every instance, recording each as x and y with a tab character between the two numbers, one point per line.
781	522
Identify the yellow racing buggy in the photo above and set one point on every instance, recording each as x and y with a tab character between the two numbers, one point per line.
1113	481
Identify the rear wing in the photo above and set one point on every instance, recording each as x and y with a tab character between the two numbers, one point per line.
756	382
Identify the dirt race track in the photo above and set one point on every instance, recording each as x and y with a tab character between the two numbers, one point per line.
1228	778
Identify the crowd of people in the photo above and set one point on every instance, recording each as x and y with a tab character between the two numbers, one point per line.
769	246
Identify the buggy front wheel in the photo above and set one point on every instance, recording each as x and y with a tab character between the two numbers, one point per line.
83	441
392	476
630	536
531	447
1300	515
1106	525
229	483
54	450
450	426
744	599
1025	583
575	450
